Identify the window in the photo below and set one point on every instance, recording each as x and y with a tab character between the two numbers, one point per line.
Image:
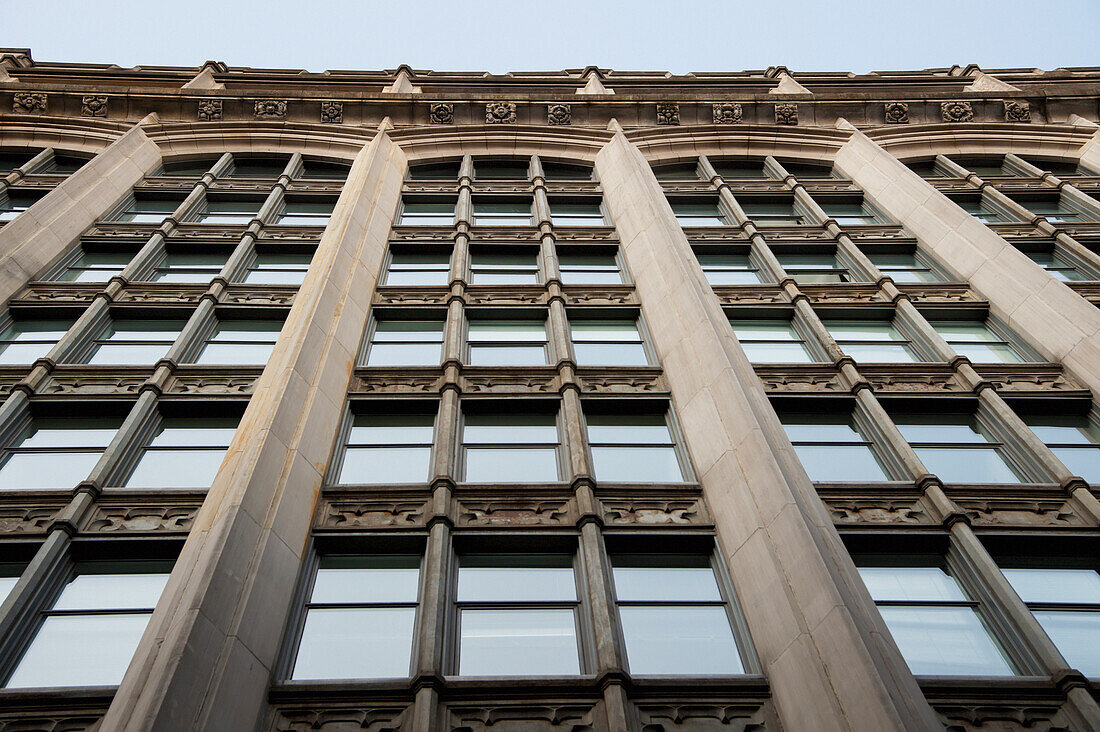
447	170
1054	210
928	169
1066	602
10	161
677	172
64	164
359	619
673	617
728	269
981	210
938	629
592	268
427	212
258	167
388	447
565	171
870	341
55	453
1061	268
771	341
957	447
807	170
632	448
984	166
135	342
397	342
418	269
832	447
814	269
608	343
324	170
95	266
24	341
507	342
517	615
849	214
698	212
510	447
493	267
903	267
188	168
183	453
15	204
147	210
94	625
270	268
772	213
180	267
228	212
306	213
9	576
502	169
740	169
240	342
502	212
576	212
977	341
1074	439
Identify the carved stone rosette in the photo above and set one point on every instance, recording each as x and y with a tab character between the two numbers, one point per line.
93	105
559	114
1016	111
442	113
897	113
500	113
668	113
210	109
332	112
271	108
726	113
957	112
29	102
786	114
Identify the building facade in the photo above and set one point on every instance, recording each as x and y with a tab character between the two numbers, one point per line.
589	400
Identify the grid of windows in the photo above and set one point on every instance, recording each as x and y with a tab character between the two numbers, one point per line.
23	340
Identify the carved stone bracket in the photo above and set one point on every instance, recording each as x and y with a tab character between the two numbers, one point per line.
897	113
668	113
786	114
29	102
559	114
332	112
271	108
726	113
93	105
1016	111
209	110
957	111
500	113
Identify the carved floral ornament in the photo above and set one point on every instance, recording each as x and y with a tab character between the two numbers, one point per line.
1016	111
210	109
29	102
442	113
786	114
500	113
727	113
897	113
271	108
93	105
559	114
332	112
957	112
668	113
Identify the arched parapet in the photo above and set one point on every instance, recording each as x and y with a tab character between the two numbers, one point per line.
916	142
63	134
810	144
186	140
439	142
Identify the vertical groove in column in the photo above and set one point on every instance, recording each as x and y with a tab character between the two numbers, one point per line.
830	661
208	654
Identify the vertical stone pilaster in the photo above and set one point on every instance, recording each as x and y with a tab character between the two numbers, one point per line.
827	653
43	232
209	651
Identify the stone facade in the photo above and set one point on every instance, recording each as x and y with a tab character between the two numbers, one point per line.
442	251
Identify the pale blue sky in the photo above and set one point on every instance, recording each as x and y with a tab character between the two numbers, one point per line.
519	35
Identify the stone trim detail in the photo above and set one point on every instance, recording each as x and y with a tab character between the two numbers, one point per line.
786	114
442	113
1016	111
332	112
957	111
93	105
29	102
500	113
668	113
559	114
897	113
210	109
271	108
726	113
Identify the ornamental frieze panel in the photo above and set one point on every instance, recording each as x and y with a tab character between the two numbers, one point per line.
115	229
320	717
509	381
29	103
1009	717
520	295
502	233
580	295
55	721
692	717
527	717
516	512
397	381
872	510
716	234
114	519
1022	513
401	296
585	233
847	293
1029	377
189	379
1088	290
654	511
82	383
831	186
427	186
349	513
890	232
316	186
153	293
241	186
58	292
793	233
621	381
24	519
425	233
39	181
756	186
930	294
270	295
813	380
749	294
696	186
572	186
498	187
209	231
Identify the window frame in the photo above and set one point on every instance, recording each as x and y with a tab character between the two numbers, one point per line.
510	408
638	407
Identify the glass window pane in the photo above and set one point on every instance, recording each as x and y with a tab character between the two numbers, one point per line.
776	352
405	354
366	579
840	463
518	643
940	428
516	578
47	470
392	429
137	591
68	432
236	353
179	468
206	432
691	583
945	641
823	431
1079	586
628	429
507	330
509	428
610	354
679	640
880	353
96	650
481	355
129	355
384	465
981	353
967	466
520	465
1077	636
355	643
637	464
1084	462
910	583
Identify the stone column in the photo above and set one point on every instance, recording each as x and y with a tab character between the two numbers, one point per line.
1063	326
829	658
42	233
206	658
